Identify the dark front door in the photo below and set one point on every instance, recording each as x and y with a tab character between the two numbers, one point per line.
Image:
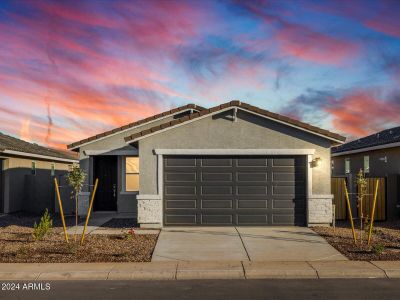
105	169
234	190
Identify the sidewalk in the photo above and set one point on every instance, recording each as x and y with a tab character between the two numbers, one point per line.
169	270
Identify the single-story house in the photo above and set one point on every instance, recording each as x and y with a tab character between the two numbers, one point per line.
27	175
233	164
378	155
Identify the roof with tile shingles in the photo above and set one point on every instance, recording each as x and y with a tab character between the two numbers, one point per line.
134	124
11	143
384	137
242	105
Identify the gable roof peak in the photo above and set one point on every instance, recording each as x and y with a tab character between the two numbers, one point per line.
247	107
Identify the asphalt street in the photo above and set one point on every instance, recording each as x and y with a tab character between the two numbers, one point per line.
208	289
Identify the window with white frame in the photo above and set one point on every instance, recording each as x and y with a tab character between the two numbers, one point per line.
131	174
366	164
347	165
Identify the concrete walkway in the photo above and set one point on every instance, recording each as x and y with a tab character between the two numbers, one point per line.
172	270
97	219
243	244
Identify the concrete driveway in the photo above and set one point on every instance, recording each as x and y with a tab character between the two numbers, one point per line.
242	243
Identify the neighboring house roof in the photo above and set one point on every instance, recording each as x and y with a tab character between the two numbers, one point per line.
134	124
253	109
383	139
13	146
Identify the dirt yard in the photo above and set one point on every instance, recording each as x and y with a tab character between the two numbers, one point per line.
385	244
17	244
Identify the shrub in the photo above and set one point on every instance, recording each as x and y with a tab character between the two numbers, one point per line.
378	248
41	229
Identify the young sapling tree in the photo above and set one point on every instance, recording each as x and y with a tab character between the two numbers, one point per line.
76	178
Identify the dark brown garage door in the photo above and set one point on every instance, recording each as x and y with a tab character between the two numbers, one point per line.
215	190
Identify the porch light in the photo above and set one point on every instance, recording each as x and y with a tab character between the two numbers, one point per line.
316	162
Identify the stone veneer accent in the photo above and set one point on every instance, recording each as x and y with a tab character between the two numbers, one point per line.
319	209
149	210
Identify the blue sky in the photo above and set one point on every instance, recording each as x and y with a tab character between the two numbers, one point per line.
72	69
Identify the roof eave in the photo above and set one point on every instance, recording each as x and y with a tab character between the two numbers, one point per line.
45	157
236	104
75	146
366	149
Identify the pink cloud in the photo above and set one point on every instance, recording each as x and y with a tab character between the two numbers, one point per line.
363	112
309	45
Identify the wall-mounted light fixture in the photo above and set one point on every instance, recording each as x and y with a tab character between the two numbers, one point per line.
316	162
384	159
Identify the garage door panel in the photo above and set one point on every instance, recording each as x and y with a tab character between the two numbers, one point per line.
234	191
216	162
176	204
252	190
248	203
216	177
180	190
180	162
287	176
251	177
180	177
288	190
280	203
277	162
281	219
209	219
216	190
216	204
186	219
252	162
252	219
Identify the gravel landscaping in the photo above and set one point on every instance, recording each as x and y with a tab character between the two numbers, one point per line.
385	244
17	244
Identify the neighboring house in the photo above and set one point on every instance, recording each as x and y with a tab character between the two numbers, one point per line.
379	156
27	175
233	164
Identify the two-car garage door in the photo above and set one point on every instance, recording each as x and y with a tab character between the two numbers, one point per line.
234	190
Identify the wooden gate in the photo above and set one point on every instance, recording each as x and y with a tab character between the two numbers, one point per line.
380	209
339	198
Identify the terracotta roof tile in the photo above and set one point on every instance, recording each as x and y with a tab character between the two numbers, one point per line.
237	103
11	143
140	122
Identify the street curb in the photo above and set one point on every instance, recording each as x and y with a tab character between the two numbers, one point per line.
171	270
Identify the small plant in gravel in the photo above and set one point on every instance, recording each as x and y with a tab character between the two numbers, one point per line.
41	229
22	251
130	234
378	249
72	248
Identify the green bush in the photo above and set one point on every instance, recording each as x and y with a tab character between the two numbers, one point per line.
41	229
378	248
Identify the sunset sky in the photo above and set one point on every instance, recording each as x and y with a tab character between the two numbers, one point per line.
72	69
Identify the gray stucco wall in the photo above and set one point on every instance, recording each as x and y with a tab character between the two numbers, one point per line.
117	141
378	168
126	201
220	132
22	191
